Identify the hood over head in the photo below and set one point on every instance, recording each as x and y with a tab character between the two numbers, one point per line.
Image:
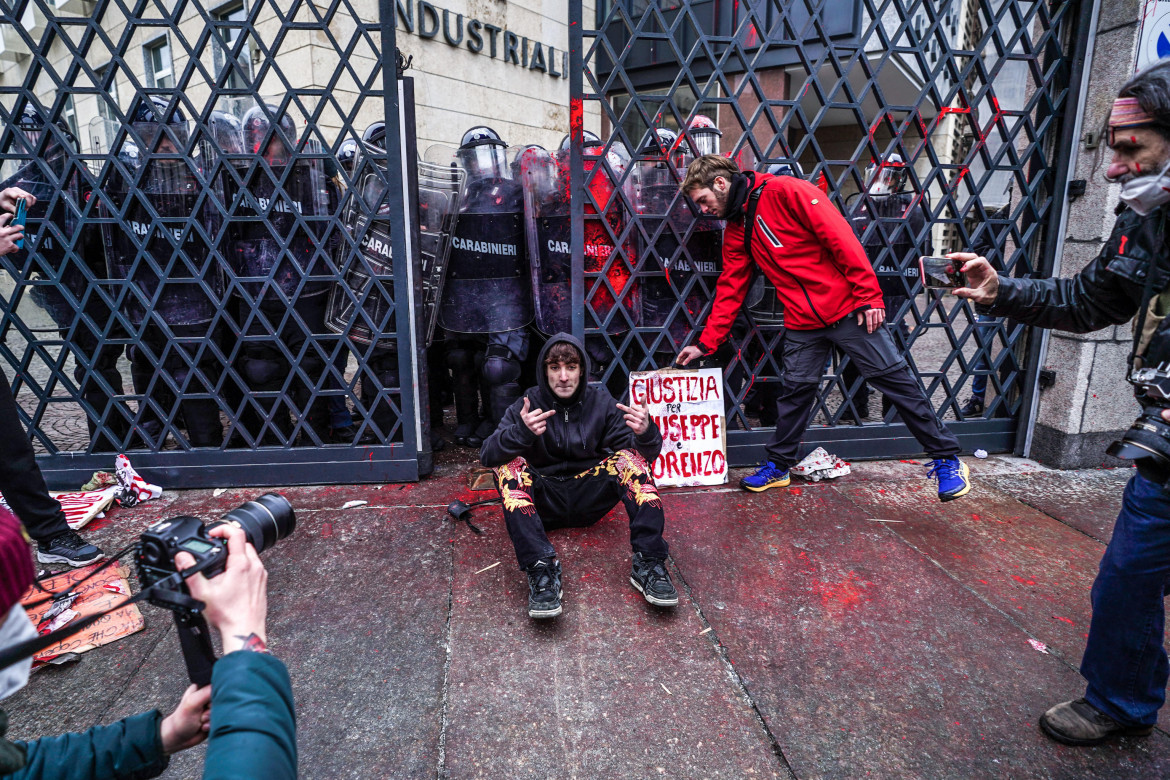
542	373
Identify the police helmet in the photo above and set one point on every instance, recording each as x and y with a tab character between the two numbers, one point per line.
704	135
375	135
31	125
483	154
660	143
787	168
887	178
226	132
588	141
259	138
161	128
347	154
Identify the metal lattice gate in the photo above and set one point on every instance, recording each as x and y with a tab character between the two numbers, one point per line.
970	95
203	276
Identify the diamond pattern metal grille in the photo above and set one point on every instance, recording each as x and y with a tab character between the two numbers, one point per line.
193	223
970	95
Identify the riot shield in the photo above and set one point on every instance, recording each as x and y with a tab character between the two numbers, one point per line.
151	242
546	212
488	288
275	254
369	286
887	225
687	247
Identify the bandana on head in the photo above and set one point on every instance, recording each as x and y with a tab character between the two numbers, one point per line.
1127	112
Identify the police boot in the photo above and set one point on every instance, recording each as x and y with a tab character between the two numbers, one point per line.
263	369
150	424
465	389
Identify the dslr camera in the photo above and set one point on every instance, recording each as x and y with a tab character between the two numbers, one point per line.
1149	436
264	521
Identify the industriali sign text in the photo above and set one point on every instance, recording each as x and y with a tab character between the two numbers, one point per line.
481	37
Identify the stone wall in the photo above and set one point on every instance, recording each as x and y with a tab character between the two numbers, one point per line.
1091	403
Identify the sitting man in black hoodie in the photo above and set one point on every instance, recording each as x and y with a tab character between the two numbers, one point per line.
563	456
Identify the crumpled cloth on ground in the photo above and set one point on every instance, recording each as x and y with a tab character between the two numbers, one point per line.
819	464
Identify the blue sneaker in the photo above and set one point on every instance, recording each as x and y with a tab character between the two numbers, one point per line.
766	476
952	478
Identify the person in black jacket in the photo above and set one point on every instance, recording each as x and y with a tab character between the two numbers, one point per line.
563	456
1124	663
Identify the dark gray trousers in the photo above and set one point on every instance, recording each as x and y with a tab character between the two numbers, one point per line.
878	360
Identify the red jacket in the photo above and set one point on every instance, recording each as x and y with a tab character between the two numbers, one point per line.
805	248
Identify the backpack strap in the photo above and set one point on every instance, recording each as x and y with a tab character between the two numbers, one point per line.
753	203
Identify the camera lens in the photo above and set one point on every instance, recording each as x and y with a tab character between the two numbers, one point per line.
265	521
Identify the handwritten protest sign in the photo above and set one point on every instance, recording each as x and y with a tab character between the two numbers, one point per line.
106	589
687	406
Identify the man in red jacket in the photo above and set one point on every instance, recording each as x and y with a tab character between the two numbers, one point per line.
830	294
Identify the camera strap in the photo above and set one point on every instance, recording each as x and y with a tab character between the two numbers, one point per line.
1147	290
22	650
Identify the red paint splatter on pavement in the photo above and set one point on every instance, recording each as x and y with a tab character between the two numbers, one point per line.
1023	581
842	595
796	491
1066	620
326	530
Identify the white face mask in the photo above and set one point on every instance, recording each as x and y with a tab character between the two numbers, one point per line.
1143	194
15	628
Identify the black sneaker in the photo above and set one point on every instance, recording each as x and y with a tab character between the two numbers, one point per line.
68	548
973	407
544	589
650	577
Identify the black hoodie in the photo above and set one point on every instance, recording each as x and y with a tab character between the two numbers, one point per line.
586	429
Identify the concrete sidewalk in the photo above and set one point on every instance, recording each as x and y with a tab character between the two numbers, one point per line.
853	629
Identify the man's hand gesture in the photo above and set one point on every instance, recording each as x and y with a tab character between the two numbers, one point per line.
687	355
871	319
536	420
637	417
982	280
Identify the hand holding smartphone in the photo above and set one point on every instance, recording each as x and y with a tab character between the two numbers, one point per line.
19	219
941	273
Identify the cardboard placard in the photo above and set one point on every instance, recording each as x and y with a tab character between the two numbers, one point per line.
687	406
92	597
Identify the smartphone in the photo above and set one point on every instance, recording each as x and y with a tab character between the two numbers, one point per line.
19	219
941	273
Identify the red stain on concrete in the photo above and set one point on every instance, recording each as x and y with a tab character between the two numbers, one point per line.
1023	581
842	595
1066	620
326	530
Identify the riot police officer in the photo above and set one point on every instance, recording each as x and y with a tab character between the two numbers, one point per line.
172	287
50	229
891	221
281	262
487	298
689	250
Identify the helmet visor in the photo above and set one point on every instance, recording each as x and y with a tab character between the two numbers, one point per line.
705	142
486	161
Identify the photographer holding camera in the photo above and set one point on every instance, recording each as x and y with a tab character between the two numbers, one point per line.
246	715
1124	661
